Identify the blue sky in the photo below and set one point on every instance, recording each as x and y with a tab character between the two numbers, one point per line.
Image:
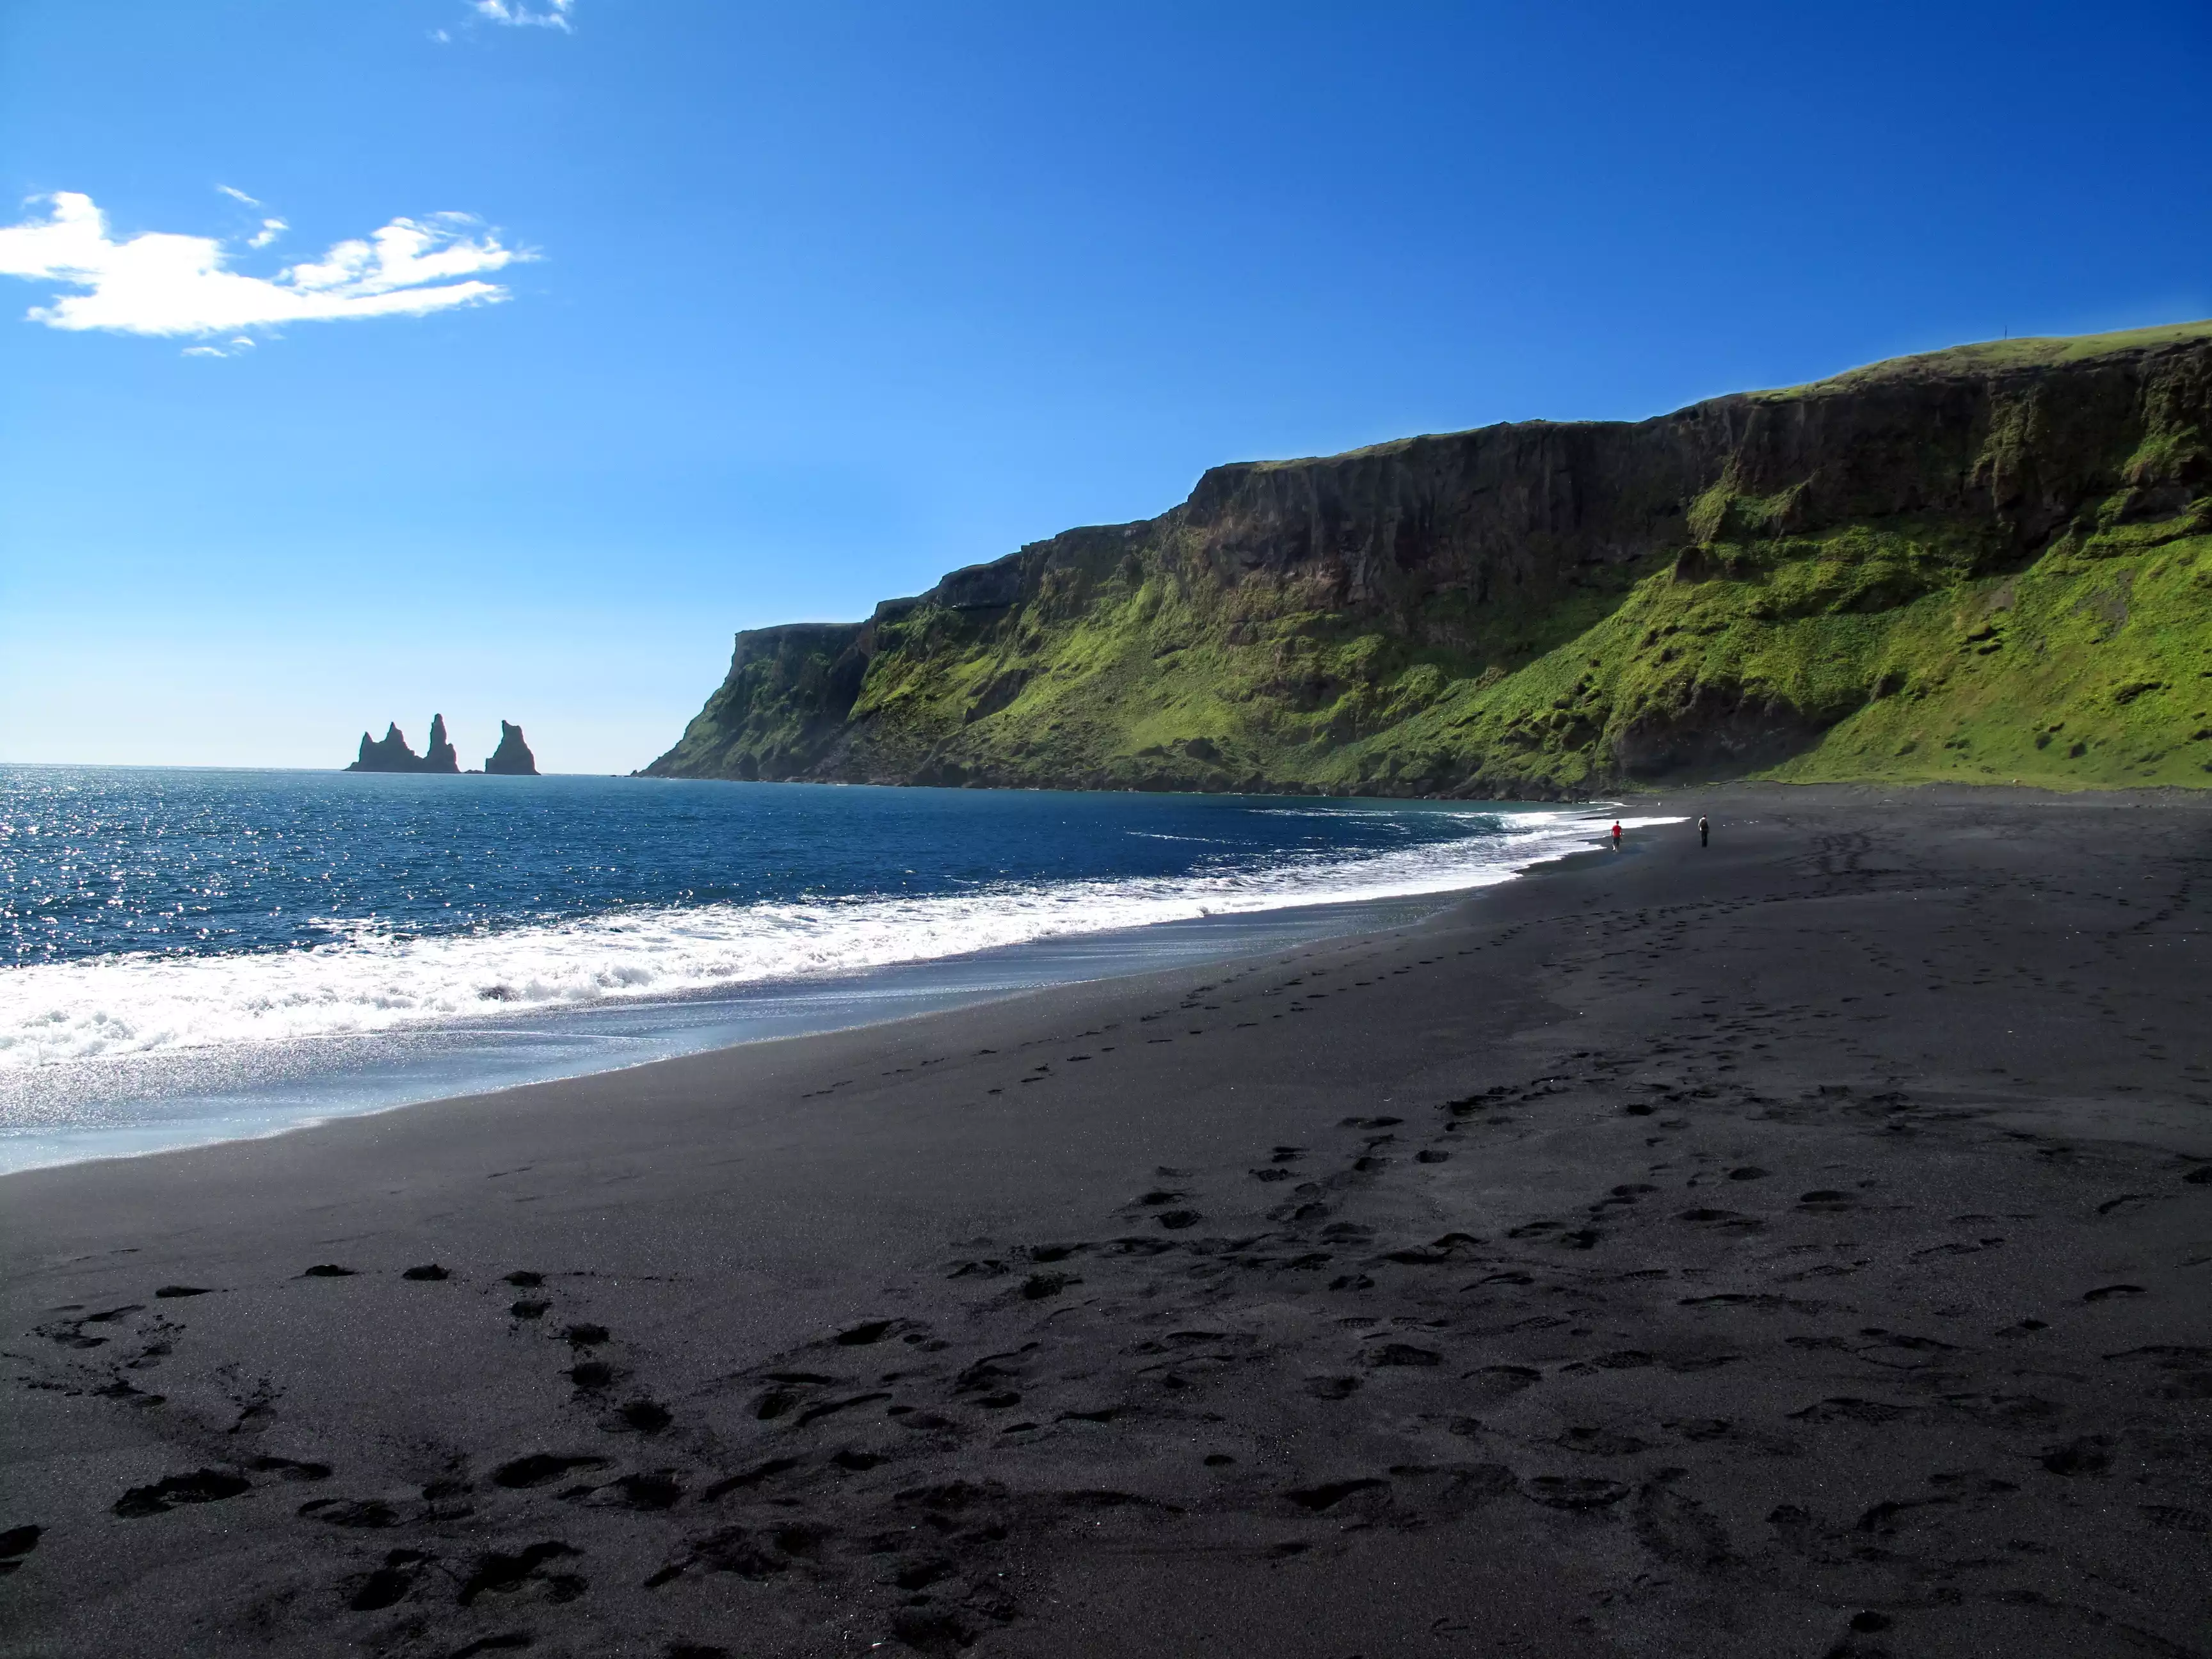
783	310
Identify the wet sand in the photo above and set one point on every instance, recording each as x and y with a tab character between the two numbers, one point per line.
1796	1246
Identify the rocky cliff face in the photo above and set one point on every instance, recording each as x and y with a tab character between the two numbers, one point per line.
1541	608
513	758
390	753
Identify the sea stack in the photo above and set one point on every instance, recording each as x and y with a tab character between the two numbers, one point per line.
513	758
390	753
387	754
442	756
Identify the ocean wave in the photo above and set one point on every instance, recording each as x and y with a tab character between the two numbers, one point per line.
377	980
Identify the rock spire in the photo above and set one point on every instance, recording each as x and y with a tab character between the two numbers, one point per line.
390	753
513	758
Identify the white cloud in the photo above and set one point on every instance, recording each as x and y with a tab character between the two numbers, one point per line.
160	283
227	348
270	228
518	13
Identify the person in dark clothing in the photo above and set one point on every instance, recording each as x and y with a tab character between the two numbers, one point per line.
1704	833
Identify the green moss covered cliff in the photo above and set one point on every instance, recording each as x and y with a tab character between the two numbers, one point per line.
1988	563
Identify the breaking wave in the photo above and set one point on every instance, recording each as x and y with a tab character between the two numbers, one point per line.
374	978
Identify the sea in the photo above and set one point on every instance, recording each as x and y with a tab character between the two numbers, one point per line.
199	955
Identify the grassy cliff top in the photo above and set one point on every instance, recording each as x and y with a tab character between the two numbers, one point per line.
1400	445
1995	356
1986	357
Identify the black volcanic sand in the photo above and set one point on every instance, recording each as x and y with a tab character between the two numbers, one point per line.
1798	1246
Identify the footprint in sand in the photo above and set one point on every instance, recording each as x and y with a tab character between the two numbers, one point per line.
390	1582
200	1486
645	1416
290	1468
1578	1492
2091	1455
1402	1354
657	1489
504	1573
538	1468
367	1513
1319	1499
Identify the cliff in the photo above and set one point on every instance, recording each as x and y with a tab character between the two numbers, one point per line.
1990	562
513	758
390	753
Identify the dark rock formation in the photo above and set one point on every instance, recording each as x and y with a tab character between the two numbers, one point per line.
513	758
390	752
1537	608
442	757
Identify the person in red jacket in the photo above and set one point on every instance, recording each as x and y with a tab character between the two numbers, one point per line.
1616	835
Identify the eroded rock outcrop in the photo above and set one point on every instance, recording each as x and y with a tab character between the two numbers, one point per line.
390	753
442	756
513	758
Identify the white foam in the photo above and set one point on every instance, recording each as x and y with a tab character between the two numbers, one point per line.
375	980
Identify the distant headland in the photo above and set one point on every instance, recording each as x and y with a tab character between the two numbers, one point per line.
1985	565
390	752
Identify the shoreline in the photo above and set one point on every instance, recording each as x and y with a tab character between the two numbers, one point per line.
214	1093
1697	1252
855	987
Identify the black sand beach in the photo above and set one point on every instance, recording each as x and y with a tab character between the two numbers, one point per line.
1798	1246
